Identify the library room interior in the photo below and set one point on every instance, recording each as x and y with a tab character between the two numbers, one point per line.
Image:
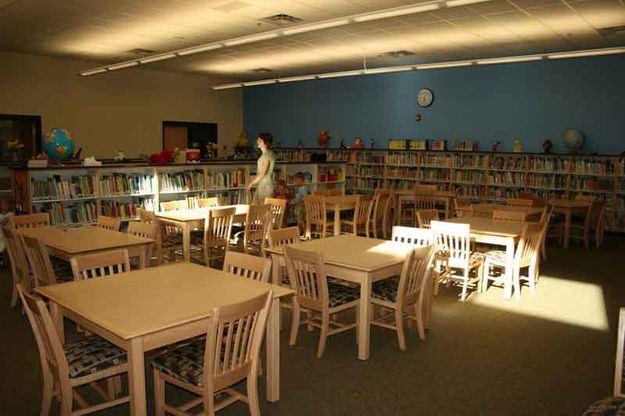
312	207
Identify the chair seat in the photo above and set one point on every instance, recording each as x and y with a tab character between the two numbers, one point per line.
90	354
385	289
475	260
340	295
610	406
183	361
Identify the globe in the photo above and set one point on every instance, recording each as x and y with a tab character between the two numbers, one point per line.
58	144
573	139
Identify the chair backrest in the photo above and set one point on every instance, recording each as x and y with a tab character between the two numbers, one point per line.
425	189
146	216
425	216
328	192
363	209
51	353
283	236
315	206
520	202
529	243
29	220
38	261
257	221
414	274
583	197
307	276
411	235
620	343
17	255
233	342
218	226
174	205
143	229
462	202
509	215
245	265
453	238
382	203
208	202
108	223
424	202
100	264
278	209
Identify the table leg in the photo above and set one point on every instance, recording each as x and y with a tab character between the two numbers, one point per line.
143	256
273	351
337	220
567	227
186	241
509	273
136	378
57	317
363	319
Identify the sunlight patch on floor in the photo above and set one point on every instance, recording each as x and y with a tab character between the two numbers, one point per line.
560	300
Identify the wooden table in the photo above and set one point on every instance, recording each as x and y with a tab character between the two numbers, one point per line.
501	233
146	309
443	197
531	213
568	207
340	203
189	219
354	259
66	242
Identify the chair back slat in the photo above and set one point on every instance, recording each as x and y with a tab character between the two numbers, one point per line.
277	207
101	264
245	265
39	262
307	275
453	238
211	202
381	206
529	244
363	209
17	256
108	223
257	221
174	205
414	271
218	226
29	221
425	216
411	235
520	202
315	206
509	215
142	229
283	236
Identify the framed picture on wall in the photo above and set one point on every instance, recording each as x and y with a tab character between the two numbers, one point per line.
24	128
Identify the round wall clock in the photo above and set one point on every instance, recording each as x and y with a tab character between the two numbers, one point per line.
425	97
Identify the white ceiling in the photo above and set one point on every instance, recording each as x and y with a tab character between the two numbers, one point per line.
105	31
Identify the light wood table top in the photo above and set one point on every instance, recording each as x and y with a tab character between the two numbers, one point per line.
199	213
490	226
145	301
84	239
358	253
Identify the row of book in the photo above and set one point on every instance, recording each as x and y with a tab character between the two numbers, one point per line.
507	163
181	181
226	179
592	184
124	184
63	213
594	167
58	187
546	181
506	178
547	164
126	210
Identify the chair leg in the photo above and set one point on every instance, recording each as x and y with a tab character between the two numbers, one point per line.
485	277
465	283
323	336
531	276
252	395
295	312
159	393
47	393
543	249
516	280
399	325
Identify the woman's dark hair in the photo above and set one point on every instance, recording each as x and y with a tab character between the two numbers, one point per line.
266	137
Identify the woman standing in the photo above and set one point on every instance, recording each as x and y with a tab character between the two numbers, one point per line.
264	169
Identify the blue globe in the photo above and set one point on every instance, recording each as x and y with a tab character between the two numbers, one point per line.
573	139
58	144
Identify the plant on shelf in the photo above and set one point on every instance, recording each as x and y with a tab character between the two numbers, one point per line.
161	158
14	148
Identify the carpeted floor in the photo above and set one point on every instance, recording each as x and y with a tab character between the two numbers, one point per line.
548	354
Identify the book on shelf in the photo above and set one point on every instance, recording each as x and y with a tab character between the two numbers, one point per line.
181	181
234	178
66	213
57	187
125	184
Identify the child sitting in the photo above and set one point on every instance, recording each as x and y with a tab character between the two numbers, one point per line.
282	191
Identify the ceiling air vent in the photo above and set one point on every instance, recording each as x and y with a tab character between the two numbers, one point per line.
141	51
612	31
262	70
281	19
398	54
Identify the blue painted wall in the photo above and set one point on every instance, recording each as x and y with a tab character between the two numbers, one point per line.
532	101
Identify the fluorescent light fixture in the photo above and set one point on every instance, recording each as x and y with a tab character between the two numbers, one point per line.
261	82
385	70
592	52
198	49
317	26
399	11
93	72
509	59
122	65
227	86
437	65
250	39
294	79
157	58
455	3
340	74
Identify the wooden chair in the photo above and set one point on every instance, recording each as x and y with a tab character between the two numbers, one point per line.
405	298
600	225
108	223
171	236
454	240
545	219
19	264
29	221
460	202
505	215
86	360
101	264
146	230
216	239
245	265
425	216
316	217
146	216
519	202
410	235
582	225
315	294
526	254
382	199
362	216
39	263
209	366
257	222
174	205
280	238
620	343
278	209
211	202
328	192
